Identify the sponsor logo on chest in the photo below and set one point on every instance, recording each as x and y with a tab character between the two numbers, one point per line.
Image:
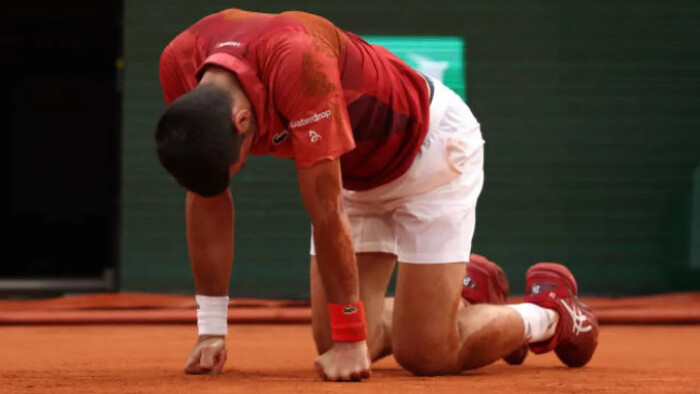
311	119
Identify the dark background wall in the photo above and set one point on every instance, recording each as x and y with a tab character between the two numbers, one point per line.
589	110
61	136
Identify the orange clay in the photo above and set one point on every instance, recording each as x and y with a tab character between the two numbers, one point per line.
279	359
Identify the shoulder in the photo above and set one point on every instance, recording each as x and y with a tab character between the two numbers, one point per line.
177	56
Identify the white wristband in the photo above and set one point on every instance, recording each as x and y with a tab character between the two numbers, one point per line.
212	315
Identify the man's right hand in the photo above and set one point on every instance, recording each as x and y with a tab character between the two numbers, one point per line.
208	356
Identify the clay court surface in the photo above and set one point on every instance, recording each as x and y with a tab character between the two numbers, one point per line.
277	358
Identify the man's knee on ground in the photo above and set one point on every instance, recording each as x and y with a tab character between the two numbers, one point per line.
425	359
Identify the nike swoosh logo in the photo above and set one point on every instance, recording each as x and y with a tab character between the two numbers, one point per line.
279	137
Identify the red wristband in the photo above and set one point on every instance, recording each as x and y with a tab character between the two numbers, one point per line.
348	322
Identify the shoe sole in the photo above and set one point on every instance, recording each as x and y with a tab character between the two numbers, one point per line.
490	269
518	356
547	271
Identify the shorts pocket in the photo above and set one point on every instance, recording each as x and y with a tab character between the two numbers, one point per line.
457	152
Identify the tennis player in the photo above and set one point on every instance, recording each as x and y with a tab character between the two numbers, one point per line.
389	166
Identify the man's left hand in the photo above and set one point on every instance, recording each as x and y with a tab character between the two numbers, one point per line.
345	361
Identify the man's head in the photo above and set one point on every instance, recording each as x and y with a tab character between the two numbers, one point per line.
198	142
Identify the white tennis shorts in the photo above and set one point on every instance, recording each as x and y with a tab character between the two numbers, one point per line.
427	215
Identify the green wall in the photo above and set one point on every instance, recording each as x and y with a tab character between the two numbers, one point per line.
591	121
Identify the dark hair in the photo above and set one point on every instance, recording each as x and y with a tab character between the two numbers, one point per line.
197	142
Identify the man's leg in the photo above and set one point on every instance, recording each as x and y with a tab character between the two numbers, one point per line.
374	271
433	333
486	283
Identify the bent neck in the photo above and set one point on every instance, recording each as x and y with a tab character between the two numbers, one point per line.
227	80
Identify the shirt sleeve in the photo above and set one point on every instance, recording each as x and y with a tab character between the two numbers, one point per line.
178	66
305	88
170	83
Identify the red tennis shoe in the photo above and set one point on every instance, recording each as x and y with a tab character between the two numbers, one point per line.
486	283
552	286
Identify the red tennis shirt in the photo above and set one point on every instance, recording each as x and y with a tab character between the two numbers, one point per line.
318	92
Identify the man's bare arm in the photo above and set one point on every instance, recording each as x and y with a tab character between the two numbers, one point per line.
321	189
210	241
